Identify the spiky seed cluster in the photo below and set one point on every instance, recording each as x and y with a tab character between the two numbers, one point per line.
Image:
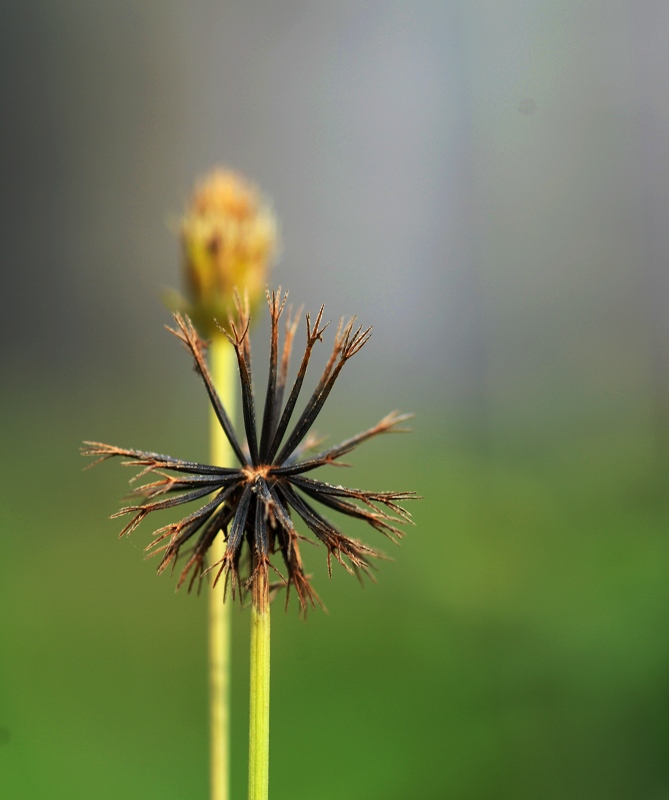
252	503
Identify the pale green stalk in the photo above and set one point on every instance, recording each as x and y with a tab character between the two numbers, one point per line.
223	372
259	706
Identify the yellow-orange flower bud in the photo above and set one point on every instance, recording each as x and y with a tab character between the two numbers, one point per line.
229	238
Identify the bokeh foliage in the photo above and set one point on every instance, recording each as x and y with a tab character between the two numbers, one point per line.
515	648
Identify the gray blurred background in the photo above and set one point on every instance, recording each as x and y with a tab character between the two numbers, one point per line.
487	183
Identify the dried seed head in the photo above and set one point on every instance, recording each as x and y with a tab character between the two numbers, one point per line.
252	505
229	238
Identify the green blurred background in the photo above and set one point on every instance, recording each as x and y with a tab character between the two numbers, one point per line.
488	184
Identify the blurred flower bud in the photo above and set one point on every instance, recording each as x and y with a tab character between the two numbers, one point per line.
229	238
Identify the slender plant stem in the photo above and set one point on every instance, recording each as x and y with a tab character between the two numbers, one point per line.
259	706
223	371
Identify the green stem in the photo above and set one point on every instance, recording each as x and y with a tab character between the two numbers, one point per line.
259	706
223	373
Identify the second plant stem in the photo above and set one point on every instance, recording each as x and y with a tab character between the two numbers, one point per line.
223	366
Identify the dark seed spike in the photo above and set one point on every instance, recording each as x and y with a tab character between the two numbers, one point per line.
170	484
323	529
339	493
176	541
216	522
239	341
197	575
339	342
291	556
229	567
341	352
134	522
244	316
188	335
325	376
260	531
199	553
151	460
170	502
307	511
336	542
244	319
376	518
169	558
219	522
197	516
238	523
173	529
290	553
277	508
386	425
313	335
348	348
388	499
225	570
172	549
358	494
152	548
323	533
220	473
289	335
356	341
279	574
276	305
